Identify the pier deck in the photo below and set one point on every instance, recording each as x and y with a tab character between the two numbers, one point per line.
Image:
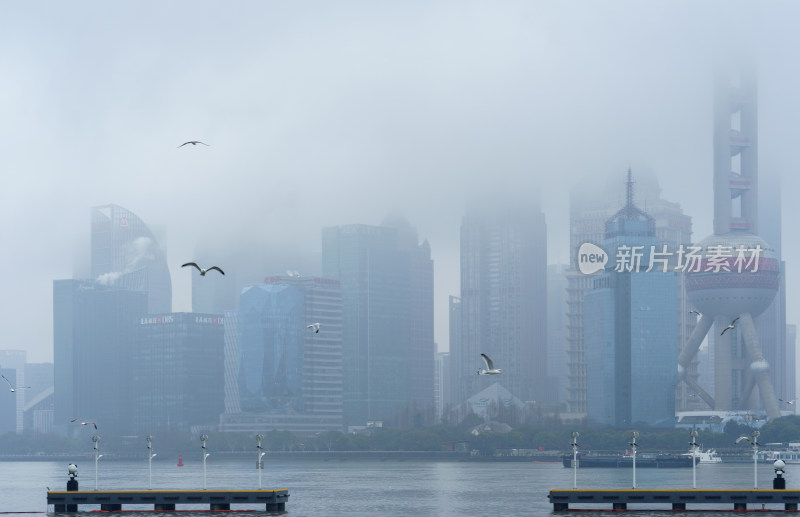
620	499
166	500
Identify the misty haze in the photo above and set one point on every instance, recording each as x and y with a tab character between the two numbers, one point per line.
478	216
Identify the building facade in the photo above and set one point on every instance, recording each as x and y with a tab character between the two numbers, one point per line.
93	329
177	373
592	203
387	308
504	299
631	328
287	375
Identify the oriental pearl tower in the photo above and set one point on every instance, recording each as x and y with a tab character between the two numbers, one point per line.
737	273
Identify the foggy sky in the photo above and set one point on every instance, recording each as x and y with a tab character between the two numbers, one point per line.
324	113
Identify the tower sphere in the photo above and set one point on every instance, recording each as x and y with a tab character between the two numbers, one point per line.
725	287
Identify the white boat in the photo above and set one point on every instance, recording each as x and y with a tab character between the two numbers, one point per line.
789	456
708	456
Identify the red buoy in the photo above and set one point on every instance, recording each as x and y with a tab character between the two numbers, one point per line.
180	460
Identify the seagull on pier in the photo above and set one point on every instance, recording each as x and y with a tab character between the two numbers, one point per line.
490	369
84	422
314	326
11	386
194	142
203	271
732	325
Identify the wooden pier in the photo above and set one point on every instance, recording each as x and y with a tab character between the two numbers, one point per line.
166	500
620	499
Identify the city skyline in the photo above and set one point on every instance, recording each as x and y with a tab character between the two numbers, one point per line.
330	115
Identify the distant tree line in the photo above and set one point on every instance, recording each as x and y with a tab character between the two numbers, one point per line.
169	444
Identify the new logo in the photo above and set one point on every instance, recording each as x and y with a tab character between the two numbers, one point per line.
591	258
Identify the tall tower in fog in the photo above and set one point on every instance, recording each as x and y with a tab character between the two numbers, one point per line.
503	309
388	350
739	272
126	254
592	203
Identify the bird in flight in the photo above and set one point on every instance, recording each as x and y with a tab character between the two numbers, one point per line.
203	271
11	386
490	369
314	326
83	423
790	402
695	312
194	142
732	325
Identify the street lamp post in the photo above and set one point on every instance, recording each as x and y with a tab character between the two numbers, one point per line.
203	438
259	465
634	446
575	446
753	441
693	445
97	455
150	457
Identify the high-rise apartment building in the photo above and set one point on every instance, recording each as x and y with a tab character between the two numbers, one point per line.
126	254
93	329
177	372
503	308
387	305
288	375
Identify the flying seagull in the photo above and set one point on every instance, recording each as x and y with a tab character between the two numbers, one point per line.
314	326
693	311
790	402
83	423
729	326
194	142
490	369
203	271
11	386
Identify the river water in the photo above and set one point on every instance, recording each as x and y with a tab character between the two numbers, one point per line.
365	488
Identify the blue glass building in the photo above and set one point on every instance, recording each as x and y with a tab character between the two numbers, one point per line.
287	376
631	331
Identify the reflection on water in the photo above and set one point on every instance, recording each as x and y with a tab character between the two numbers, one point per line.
373	488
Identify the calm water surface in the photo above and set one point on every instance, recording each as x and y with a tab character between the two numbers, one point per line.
372	488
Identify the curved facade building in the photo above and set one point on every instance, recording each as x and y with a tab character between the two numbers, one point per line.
126	254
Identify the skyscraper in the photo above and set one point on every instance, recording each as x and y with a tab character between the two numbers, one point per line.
387	297
592	203
177	372
15	360
126	254
504	298
288	376
557	329
93	328
631	329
